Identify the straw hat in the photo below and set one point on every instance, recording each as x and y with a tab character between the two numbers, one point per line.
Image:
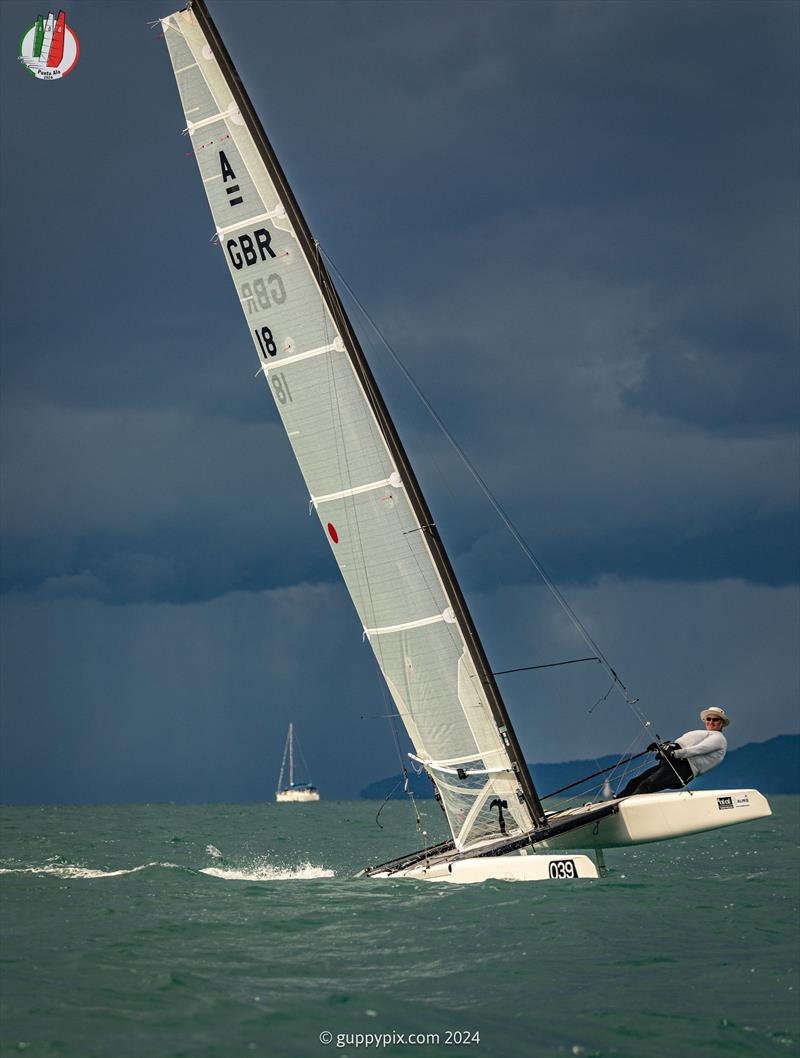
716	711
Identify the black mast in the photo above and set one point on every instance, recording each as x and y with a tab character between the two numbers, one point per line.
364	373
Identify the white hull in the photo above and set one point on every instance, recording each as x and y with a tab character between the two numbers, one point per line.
634	820
530	868
660	816
297	795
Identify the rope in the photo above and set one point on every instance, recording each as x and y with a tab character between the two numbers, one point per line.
549	665
602	699
303	759
668	760
623	761
586	778
388	797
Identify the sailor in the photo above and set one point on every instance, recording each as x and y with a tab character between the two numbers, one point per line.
692	754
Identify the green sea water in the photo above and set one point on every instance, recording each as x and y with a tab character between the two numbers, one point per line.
141	931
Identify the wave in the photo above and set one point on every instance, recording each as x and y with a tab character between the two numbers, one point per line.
258	871
266	872
72	870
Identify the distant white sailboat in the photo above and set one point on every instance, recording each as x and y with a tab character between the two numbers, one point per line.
301	791
378	524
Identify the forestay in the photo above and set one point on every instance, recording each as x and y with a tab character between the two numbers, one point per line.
355	485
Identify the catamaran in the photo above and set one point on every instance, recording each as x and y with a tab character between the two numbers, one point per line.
378	524
295	791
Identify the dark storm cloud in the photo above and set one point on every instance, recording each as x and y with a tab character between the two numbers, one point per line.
577	223
130	506
584	209
735	374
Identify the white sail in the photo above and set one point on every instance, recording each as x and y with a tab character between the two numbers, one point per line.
413	620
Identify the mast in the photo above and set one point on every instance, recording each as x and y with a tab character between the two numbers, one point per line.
291	755
364	374
283	759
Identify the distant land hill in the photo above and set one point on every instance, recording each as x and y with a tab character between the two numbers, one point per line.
773	767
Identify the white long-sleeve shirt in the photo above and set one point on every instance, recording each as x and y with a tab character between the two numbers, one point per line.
703	749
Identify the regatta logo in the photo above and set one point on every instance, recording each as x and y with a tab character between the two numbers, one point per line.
49	49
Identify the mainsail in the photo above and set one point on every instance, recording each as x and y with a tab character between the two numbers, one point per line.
358	477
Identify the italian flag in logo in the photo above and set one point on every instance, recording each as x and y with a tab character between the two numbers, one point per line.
49	48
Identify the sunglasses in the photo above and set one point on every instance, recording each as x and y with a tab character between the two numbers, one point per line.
713	719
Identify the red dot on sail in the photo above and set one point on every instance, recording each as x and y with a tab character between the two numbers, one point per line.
333	534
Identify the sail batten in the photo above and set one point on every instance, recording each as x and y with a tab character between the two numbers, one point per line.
360	482
269	215
356	489
309	354
421	622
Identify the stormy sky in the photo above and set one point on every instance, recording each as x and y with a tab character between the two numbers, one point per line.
577	224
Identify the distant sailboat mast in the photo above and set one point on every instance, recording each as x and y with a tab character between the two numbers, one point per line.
291	754
283	761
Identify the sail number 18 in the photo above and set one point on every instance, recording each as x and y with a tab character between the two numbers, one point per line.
266	343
